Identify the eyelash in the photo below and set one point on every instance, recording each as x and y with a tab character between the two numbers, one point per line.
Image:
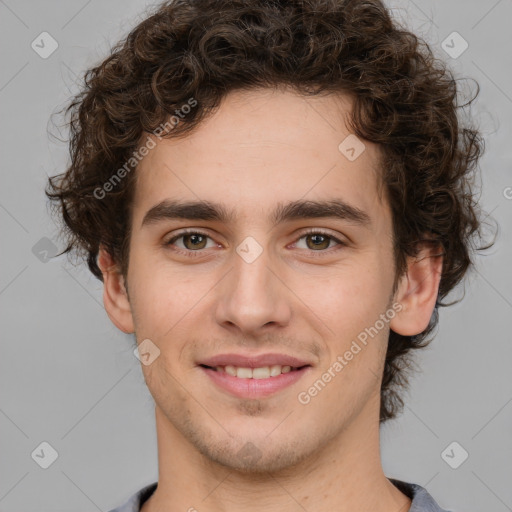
199	252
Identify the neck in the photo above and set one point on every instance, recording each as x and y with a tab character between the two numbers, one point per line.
344	475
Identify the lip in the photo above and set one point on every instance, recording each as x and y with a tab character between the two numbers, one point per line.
245	361
254	388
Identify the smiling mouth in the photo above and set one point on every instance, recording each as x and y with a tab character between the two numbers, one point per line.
263	372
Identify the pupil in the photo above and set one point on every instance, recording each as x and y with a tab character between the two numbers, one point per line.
317	240
195	239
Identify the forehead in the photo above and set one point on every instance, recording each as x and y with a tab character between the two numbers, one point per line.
259	148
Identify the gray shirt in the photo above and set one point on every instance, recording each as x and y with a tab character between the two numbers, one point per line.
421	499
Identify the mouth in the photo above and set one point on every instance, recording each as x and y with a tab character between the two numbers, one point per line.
256	381
262	372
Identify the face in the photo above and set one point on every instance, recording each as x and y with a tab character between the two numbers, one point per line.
262	274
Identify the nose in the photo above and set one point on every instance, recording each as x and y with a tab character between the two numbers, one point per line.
253	297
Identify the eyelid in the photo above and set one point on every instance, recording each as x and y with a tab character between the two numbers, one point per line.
320	231
187	231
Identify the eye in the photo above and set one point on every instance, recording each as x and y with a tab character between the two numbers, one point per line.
318	241
192	241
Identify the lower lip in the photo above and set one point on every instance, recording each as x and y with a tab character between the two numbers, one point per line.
254	388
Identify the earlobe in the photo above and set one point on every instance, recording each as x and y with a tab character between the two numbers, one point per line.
115	296
417	291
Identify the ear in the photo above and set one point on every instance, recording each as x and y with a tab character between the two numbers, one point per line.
115	296
417	290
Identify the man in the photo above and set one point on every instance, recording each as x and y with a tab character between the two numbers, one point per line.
276	198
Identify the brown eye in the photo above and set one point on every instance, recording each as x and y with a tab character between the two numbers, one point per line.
190	242
194	241
318	241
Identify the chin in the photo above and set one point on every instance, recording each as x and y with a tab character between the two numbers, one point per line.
258	457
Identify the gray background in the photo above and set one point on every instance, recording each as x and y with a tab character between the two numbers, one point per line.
69	378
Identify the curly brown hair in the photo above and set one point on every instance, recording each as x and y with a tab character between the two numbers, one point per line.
405	100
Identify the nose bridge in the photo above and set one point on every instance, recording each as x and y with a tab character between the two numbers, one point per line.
252	296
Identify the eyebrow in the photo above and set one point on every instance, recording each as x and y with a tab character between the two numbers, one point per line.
295	210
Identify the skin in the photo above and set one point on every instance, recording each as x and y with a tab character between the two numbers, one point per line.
260	148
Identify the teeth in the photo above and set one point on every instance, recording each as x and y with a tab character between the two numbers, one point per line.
231	370
254	373
275	370
244	373
261	373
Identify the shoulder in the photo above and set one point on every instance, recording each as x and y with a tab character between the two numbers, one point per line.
421	500
135	501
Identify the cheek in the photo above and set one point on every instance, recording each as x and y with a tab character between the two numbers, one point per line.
161	296
349	304
349	298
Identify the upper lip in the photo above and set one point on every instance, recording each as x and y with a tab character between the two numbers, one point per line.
245	361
